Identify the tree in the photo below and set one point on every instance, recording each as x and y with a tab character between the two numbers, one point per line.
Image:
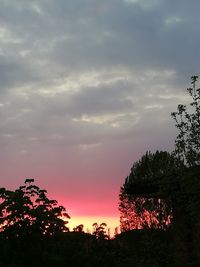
99	231
27	211
140	205
186	199
79	228
187	119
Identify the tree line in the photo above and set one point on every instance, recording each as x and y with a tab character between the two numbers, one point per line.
162	189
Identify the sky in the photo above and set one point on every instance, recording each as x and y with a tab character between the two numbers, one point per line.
86	88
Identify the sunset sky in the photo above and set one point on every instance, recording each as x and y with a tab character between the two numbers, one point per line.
86	88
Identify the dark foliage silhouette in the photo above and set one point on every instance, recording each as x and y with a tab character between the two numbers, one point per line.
140	206
173	181
28	211
79	228
187	119
99	231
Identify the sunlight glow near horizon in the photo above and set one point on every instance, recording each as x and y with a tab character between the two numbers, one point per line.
112	222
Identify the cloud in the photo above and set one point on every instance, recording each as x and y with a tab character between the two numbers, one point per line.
91	84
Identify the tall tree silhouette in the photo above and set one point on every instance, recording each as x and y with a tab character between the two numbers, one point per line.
187	118
176	179
186	199
27	211
144	209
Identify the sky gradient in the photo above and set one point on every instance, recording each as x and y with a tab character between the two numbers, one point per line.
86	88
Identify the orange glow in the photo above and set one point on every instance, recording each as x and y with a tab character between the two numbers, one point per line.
112	222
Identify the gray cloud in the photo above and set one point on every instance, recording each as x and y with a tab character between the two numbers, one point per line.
91	82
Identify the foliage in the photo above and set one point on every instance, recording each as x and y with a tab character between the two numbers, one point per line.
187	144
186	216
165	187
139	208
99	231
152	166
27	211
33	234
79	228
186	199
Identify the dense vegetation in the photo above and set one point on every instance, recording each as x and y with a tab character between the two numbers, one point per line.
162	190
159	213
34	233
139	207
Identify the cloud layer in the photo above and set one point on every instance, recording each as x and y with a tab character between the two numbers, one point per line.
86	87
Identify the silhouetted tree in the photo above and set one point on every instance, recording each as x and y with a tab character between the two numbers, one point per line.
187	144
79	228
186	199
99	231
176	179
27	211
144	209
